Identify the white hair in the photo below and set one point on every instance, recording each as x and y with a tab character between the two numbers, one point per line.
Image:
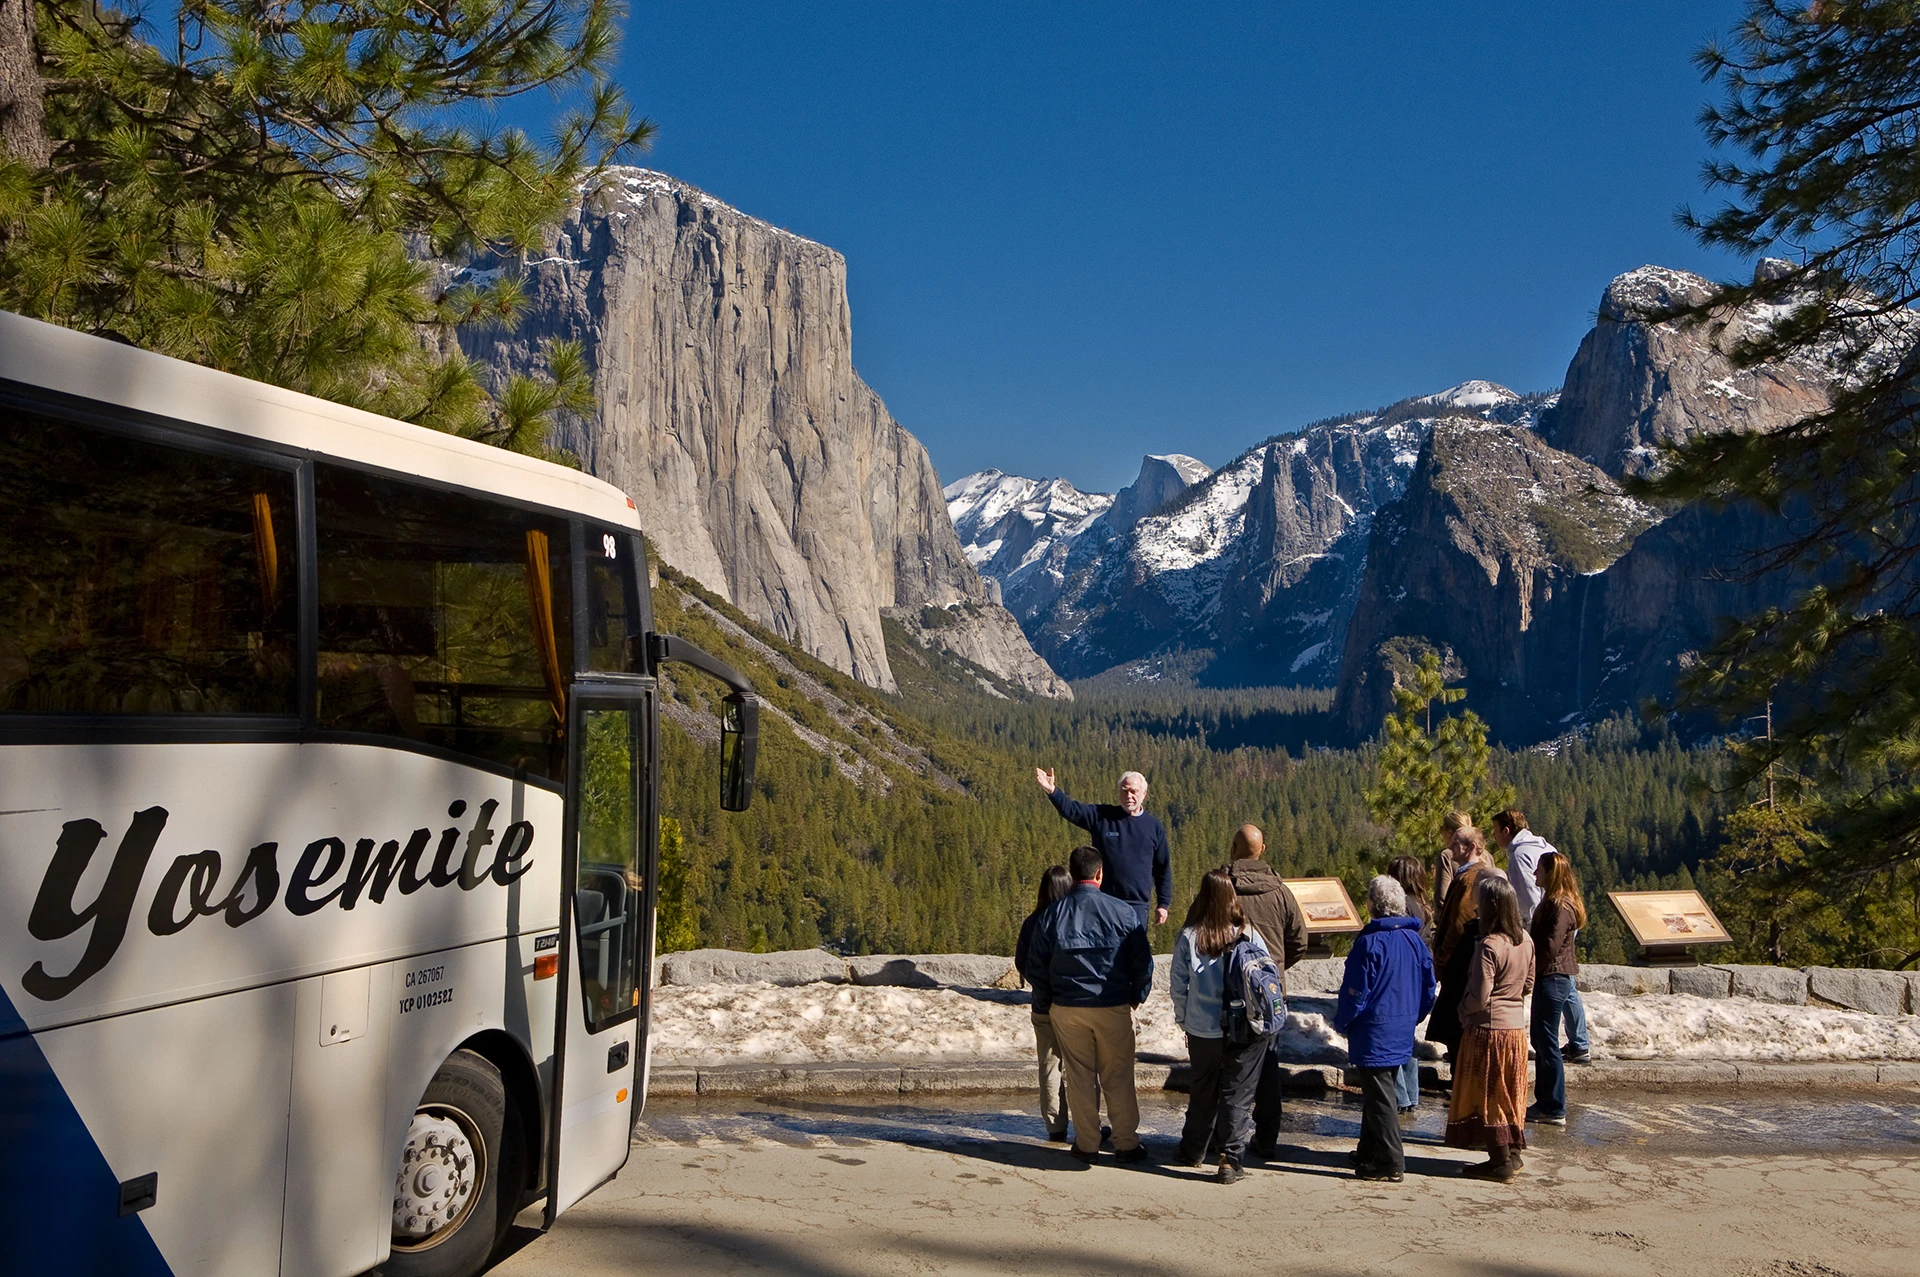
1386	898
1127	776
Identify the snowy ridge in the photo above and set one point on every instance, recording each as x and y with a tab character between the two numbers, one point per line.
1472	394
1191	469
1259	561
1012	528
1205	525
622	187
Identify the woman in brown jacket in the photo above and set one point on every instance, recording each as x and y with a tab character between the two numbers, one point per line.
1489	1106
1454	932
1556	923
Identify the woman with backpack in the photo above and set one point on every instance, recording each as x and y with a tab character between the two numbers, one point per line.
1489	1105
1055	884
1225	1072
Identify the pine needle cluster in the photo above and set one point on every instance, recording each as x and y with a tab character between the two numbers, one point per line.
1823	102
261	189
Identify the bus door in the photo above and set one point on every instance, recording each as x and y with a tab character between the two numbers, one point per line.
606	907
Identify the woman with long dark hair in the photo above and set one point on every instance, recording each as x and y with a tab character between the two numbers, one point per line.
1220	1101
1556	926
1055	884
1489	1105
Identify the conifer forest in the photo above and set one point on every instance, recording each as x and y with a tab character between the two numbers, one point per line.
947	859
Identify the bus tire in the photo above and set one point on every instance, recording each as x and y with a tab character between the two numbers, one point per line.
462	1173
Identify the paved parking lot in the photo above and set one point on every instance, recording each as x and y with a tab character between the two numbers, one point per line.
1796	1185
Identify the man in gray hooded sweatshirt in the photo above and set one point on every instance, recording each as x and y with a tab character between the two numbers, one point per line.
1276	915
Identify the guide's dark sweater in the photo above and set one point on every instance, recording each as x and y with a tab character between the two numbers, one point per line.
1133	848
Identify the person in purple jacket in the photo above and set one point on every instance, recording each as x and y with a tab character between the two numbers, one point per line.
1131	842
1386	991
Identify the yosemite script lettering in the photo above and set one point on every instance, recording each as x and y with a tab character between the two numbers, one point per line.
325	874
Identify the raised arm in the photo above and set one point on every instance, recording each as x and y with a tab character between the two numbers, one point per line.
1081	814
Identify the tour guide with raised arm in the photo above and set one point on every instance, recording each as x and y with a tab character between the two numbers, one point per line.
1131	842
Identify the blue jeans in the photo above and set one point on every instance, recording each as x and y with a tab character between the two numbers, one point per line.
1406	1085
1576	1018
1551	996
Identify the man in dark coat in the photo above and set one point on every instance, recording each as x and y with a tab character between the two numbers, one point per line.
1276	915
1090	962
1132	844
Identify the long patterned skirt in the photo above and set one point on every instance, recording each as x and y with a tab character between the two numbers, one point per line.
1489	1105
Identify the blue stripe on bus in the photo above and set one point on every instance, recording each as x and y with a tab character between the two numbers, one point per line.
62	1200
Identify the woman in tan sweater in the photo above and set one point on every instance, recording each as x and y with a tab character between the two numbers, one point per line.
1489	1104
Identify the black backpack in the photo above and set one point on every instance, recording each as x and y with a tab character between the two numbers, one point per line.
1253	1003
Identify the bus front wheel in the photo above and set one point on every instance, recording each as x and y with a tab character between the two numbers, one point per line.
461	1173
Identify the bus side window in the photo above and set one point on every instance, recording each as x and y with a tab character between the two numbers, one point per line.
611	614
141	578
443	618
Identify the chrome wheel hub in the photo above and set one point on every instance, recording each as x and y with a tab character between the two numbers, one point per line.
440	1174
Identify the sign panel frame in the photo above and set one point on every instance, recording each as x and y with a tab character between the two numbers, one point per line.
1326	905
1667	920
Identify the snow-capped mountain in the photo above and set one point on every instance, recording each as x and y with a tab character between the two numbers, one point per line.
1490	527
1007	523
1018	533
1260	562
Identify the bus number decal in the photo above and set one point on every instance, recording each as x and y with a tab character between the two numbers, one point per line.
424	1001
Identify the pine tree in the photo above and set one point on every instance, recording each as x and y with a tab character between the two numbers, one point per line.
1823	99
1760	891
253	192
1426	772
679	917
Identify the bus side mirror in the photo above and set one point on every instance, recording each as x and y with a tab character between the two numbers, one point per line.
739	748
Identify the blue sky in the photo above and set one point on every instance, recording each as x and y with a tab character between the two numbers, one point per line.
1079	233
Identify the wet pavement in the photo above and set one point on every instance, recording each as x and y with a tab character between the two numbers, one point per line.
1698	1122
1798	1184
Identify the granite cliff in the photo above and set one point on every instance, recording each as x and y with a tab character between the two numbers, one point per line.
1563	600
728	408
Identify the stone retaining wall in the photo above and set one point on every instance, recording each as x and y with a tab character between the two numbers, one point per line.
738	1080
1877	992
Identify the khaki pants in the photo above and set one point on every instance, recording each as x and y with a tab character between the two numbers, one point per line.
1096	1047
1053	1082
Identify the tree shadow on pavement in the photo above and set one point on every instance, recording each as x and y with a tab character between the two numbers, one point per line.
642	1247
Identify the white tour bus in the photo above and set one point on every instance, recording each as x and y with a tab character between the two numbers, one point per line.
328	837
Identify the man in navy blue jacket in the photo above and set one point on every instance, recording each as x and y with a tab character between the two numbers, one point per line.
1386	991
1131	843
1091	965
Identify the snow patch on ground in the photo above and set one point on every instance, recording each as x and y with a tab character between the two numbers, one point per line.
821	1023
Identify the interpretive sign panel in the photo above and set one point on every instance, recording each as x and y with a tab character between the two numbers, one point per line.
1325	902
1669	919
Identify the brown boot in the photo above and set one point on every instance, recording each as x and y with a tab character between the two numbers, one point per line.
1498	1167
